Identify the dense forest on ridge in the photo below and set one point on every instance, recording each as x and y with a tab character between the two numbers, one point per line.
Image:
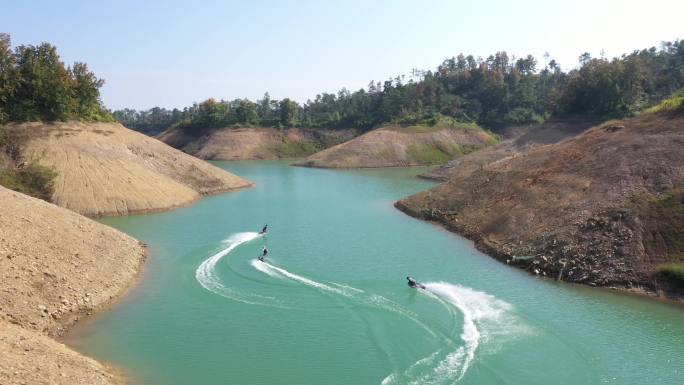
35	85
497	91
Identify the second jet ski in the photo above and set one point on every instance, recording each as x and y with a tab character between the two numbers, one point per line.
415	284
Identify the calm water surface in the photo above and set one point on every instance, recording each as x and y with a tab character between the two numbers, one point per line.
331	305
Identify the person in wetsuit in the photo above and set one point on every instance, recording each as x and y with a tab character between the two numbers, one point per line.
264	230
264	252
414	284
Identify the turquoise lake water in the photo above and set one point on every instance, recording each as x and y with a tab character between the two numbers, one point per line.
331	306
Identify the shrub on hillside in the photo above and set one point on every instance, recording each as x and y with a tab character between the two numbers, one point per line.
522	116
674	103
29	178
35	85
290	149
32	179
673	272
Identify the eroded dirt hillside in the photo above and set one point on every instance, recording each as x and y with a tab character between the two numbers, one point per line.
396	146
603	208
107	169
56	267
517	139
254	143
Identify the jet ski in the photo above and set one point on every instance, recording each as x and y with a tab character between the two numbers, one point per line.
414	284
263	255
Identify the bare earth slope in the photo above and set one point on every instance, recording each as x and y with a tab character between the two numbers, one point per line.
107	169
519	139
55	267
603	208
32	358
253	143
401	146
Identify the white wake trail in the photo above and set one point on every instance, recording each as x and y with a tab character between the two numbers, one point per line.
474	306
355	294
269	269
346	287
264	268
207	277
485	319
206	272
484	316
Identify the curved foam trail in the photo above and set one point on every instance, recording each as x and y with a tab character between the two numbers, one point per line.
388	380
270	269
358	295
206	272
473	305
261	266
484	317
346	287
207	277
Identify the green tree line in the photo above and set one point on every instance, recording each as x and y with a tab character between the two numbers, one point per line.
213	114
495	91
36	85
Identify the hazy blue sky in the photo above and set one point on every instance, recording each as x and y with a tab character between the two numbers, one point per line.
171	53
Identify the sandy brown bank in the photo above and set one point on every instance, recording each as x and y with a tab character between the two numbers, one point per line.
56	267
396	146
107	169
253	143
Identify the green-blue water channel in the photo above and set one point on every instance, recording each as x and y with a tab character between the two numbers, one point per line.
331	306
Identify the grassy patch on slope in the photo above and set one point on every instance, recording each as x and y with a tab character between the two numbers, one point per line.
662	220
29	178
667	216
415	129
674	103
665	221
297	149
33	179
437	126
673	272
439	153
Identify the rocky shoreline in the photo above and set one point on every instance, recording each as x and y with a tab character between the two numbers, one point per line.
556	261
601	209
